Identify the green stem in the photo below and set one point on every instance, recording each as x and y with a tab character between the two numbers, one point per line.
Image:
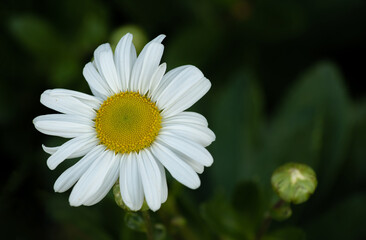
264	227
267	221
148	225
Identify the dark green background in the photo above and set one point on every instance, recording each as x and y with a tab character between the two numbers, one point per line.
287	85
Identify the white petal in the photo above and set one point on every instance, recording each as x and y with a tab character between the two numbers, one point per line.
151	179
158	39
125	57
179	85
196	166
81	188
79	153
73	173
164	185
145	66
89	100
167	78
146	61
70	147
50	150
87	189
180	170
197	133
110	178
188	98
97	84
156	78
66	104
187	117
130	182
103	57
63	125
188	148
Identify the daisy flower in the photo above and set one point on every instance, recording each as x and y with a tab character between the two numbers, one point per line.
132	129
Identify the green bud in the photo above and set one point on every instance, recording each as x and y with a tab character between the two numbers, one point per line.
139	36
281	211
294	182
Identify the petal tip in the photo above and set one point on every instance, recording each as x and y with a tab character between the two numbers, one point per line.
50	165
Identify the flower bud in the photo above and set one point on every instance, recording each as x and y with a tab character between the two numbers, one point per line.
139	36
281	211
294	182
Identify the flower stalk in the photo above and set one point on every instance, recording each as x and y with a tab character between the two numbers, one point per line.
148	225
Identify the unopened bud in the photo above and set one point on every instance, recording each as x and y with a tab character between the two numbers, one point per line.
294	182
281	211
139	36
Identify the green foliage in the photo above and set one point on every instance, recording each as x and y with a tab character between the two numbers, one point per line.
237	121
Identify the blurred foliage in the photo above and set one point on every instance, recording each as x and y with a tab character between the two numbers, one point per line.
286	87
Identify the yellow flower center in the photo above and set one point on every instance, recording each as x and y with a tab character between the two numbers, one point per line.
127	122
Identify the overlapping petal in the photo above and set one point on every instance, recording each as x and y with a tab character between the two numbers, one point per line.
104	60
146	65
151	179
72	146
130	182
190	149
97	84
93	183
179	169
68	178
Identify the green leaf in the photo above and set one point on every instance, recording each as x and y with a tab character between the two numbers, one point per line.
311	126
237	122
36	35
354	170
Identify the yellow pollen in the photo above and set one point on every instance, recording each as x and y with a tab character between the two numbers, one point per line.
127	122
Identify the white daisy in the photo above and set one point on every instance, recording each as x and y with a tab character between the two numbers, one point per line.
133	127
